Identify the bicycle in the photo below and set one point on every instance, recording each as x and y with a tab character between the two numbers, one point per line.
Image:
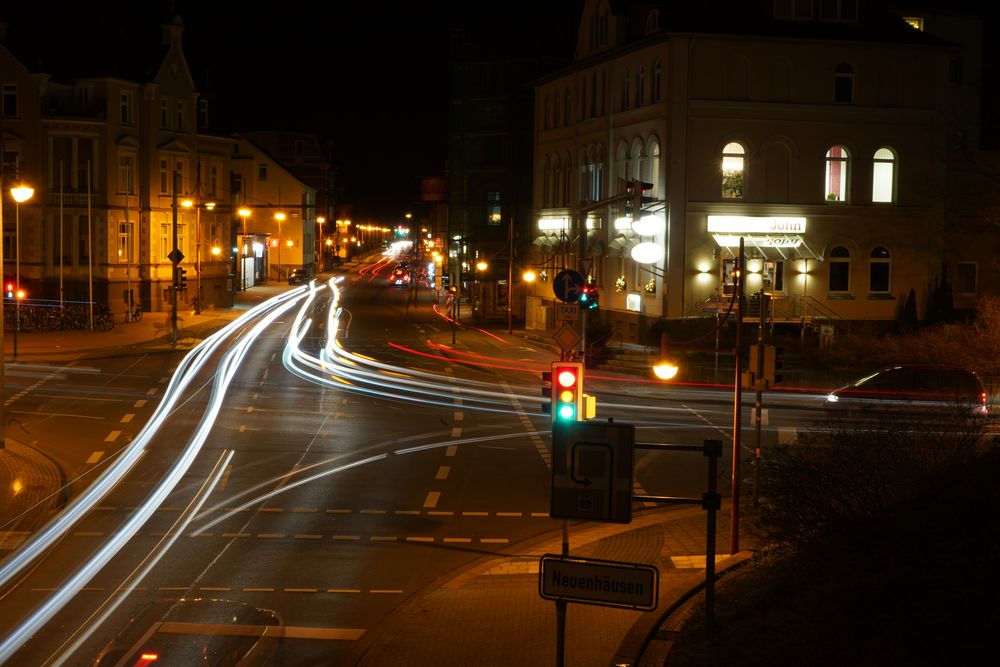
104	319
134	314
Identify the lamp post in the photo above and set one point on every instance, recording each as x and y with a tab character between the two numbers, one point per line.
319	239
244	214
21	194
279	217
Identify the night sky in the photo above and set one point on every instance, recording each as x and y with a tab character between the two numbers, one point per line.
370	80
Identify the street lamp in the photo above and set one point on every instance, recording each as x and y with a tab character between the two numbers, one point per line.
244	213
666	367
20	193
279	217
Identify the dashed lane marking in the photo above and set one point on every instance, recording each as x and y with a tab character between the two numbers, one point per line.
127	418
458	416
140	403
456	432
111	437
451	450
443	472
94	458
432	499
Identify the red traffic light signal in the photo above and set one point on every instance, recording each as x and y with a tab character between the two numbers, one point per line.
567	391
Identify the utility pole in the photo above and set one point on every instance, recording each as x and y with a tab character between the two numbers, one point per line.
734	526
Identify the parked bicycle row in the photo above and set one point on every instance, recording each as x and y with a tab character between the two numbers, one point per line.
53	316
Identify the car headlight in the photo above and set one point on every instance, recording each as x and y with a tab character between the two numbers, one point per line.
832	398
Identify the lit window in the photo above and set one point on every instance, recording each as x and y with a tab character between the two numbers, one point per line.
840	270
878	271
916	22
732	171
836	174
884	176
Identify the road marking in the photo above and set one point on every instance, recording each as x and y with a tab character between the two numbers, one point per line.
258	590
443	472
543	515
459	416
419	539
271	509
441	513
377	512
216	589
112	436
308	536
409	512
475	513
127	418
509	514
152	390
451	450
494	540
432	499
343	590
271	536
225	477
95	457
140	403
347	537
383	538
456	432
300	590
465	540
200	534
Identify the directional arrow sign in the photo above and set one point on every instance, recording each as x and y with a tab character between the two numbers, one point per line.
592	471
567	285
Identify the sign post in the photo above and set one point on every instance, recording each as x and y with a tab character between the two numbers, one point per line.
600	582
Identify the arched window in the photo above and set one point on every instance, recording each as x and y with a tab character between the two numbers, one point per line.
584	177
622	166
546	182
840	270
835	183
879	270
732	171
640	88
843	84
567	179
640	168
656	81
884	176
653	151
598	185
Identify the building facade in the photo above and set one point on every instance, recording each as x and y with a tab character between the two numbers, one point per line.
822	135
122	174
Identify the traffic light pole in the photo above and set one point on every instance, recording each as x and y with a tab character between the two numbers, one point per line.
174	262
760	394
734	526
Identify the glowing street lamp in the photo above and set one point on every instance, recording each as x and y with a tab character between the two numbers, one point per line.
244	213
279	216
666	366
21	193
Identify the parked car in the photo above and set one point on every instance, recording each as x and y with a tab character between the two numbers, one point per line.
299	276
195	631
916	390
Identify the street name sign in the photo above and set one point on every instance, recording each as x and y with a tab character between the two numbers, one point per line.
601	582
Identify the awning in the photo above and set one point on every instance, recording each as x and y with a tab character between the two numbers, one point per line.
768	246
621	246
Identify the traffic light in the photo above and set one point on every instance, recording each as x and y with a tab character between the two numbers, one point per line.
567	392
182	280
773	363
10	290
589	296
636	189
547	390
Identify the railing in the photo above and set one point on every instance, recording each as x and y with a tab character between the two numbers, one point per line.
800	308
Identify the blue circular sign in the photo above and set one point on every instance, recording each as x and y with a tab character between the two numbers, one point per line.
568	285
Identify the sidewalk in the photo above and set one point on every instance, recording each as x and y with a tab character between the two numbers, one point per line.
490	612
